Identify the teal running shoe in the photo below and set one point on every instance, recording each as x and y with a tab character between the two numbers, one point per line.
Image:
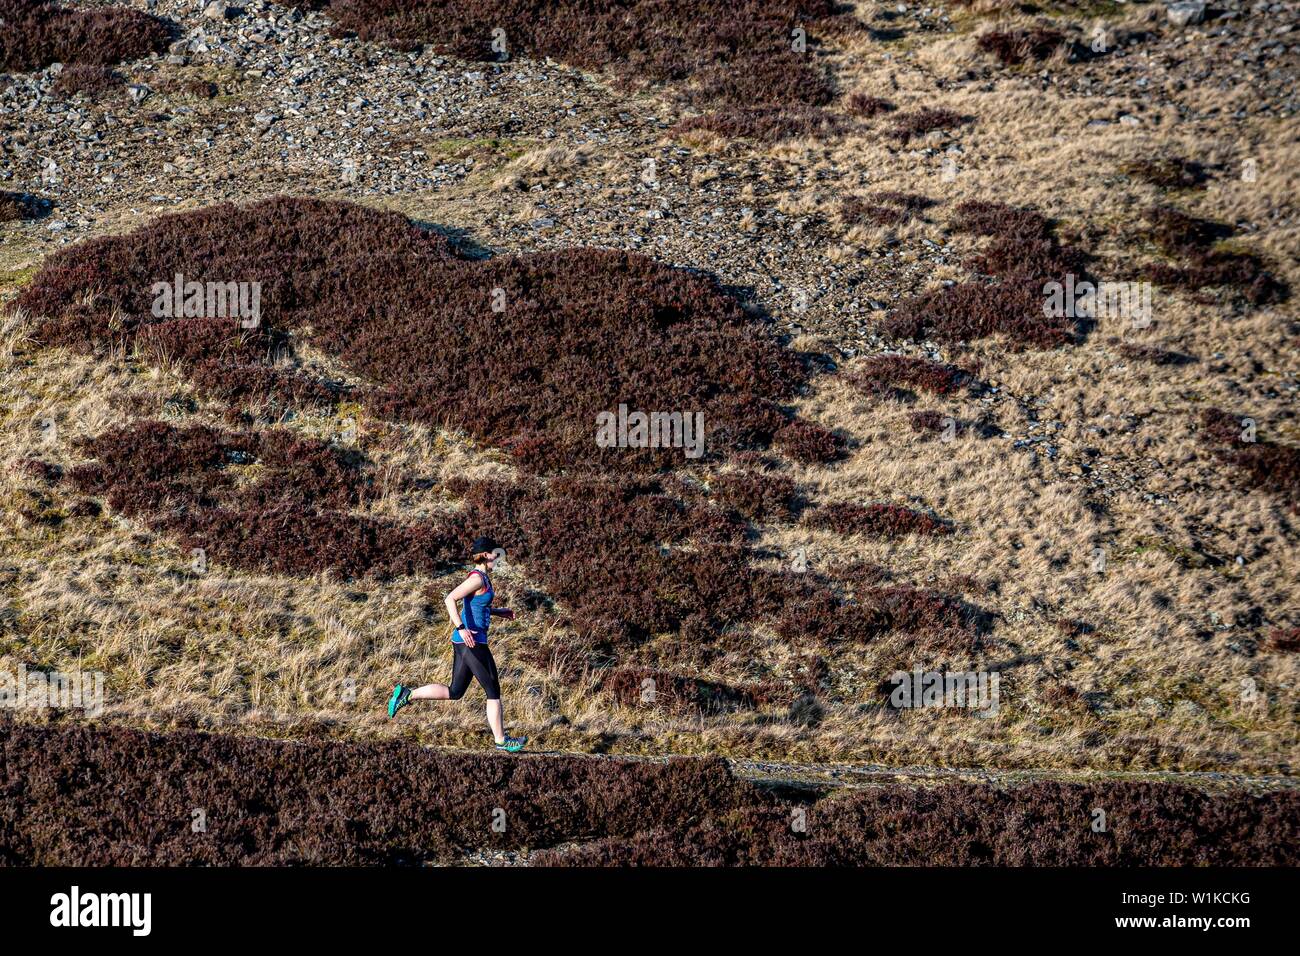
401	697
512	745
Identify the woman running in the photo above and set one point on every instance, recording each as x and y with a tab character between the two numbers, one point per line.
469	640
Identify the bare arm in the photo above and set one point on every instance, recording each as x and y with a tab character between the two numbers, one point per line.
466	588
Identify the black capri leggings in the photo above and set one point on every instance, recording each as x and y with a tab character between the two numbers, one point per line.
474	662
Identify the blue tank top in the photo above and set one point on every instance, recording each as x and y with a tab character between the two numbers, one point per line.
475	612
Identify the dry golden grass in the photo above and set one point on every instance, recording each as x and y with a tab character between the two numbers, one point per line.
543	164
1031	525
287	656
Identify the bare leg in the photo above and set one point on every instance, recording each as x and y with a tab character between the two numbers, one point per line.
495	720
431	692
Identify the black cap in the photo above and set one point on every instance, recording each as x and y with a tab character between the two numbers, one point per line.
483	546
